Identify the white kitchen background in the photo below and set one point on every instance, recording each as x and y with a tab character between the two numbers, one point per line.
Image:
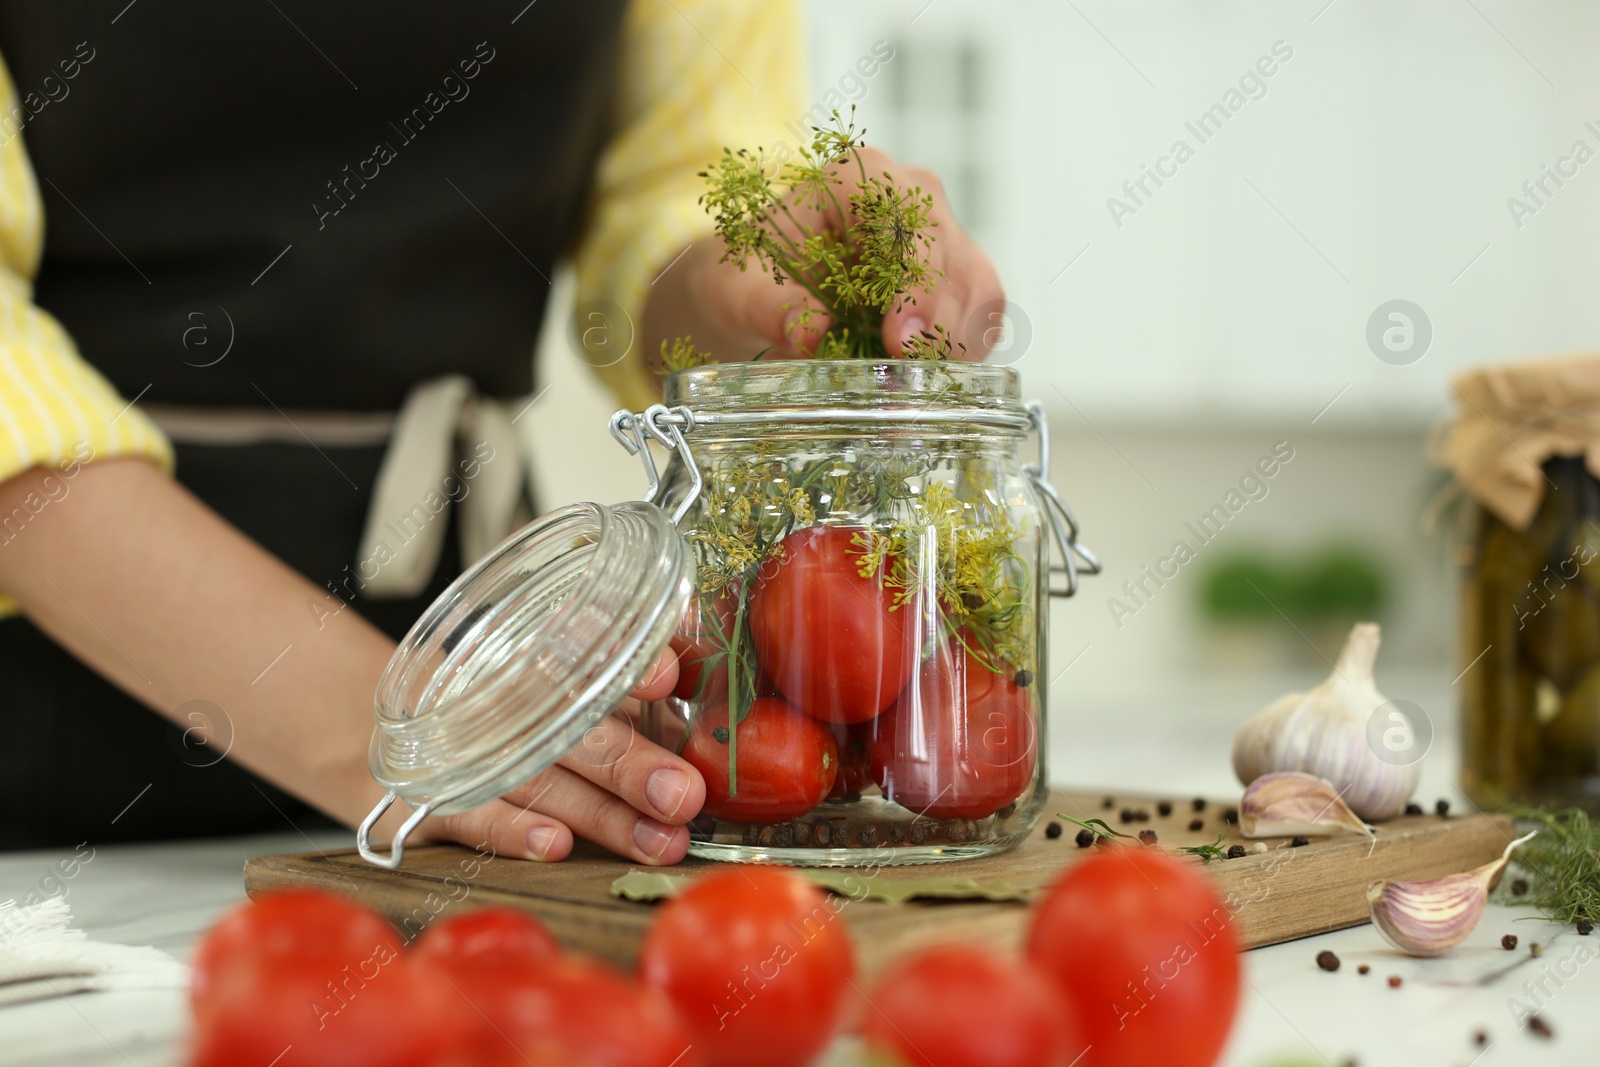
1180	331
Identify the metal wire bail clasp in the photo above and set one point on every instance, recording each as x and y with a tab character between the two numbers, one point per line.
668	426
398	845
628	429
1074	557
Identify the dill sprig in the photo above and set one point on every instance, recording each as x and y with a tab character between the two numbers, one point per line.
1098	827
1213	851
681	354
947	550
1563	863
857	274
932	344
750	509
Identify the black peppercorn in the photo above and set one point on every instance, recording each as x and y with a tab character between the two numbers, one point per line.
1413	808
720	734
1085	838
1480	1038
1108	803
1235	852
1585	927
1364	969
1508	942
918	833
1299	840
1199	804
1327	960
1519	887
1024	679
1196	825
1231	816
868	836
1126	815
1538	1026
1442	806
1053	831
1141	816
1147	836
1164	808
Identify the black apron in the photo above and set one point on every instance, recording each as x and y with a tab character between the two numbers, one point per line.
354	196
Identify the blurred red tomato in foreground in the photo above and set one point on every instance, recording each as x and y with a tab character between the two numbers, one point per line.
922	1013
758	963
1144	952
377	1011
575	1008
495	936
295	924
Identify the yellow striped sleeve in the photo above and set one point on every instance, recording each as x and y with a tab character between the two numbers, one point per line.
696	75
55	409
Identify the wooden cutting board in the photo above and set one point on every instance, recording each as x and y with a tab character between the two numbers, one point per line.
1277	895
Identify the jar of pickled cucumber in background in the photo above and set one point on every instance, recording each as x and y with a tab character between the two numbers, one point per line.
1530	594
862	663
1531	609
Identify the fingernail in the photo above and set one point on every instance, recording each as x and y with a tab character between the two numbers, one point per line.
541	840
652	837
913	327
666	789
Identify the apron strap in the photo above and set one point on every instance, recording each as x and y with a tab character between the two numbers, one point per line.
448	447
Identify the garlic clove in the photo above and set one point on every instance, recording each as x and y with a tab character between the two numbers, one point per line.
1324	732
1430	918
1290	802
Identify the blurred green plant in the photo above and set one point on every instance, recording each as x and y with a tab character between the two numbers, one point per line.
1343	581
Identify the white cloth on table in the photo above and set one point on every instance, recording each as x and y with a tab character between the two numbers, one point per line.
41	956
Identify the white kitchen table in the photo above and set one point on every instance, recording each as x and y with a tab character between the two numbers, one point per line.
1291	1011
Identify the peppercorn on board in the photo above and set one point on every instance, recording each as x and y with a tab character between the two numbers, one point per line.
1276	893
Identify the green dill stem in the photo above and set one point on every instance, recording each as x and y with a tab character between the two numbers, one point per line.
790	265
787	242
736	691
844	220
982	657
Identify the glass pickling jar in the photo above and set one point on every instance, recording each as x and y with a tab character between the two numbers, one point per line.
853	563
862	666
1525	448
1530	607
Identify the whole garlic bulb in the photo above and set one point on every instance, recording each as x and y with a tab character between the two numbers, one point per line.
1324	732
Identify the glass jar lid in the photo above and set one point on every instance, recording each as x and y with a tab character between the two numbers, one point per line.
523	654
